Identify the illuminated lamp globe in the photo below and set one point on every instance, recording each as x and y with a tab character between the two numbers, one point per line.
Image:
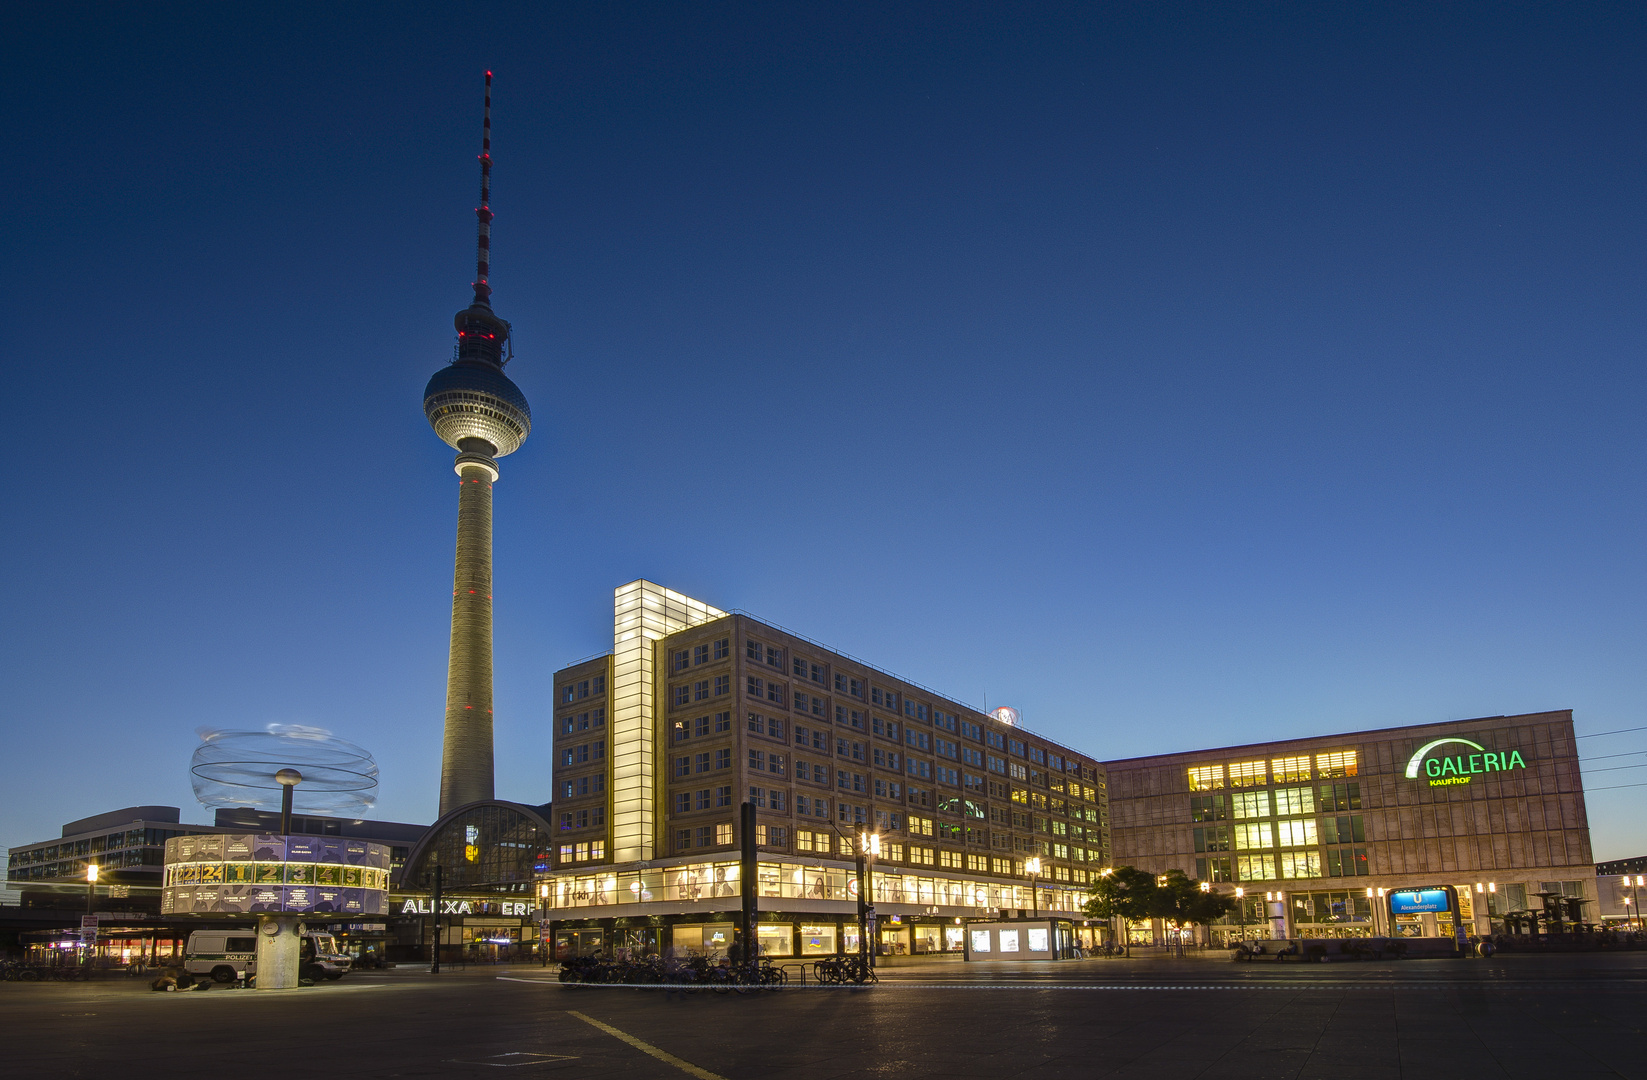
472	401
1006	714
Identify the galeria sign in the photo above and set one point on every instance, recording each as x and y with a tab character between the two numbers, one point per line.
1446	767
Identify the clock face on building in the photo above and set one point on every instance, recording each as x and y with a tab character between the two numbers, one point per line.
270	928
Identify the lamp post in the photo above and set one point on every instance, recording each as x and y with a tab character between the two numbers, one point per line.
91	887
1032	867
288	779
869	846
1241	902
1635	890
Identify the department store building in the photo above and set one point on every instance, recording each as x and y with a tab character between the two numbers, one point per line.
1329	826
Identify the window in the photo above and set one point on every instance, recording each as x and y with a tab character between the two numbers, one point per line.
775	693
802	702
887	698
973	783
1344	830
1299	864
886	759
972	757
920	740
997	765
1015	746
774	657
753	650
1037	755
995	739
1208	808
757	687
723	758
1290	770
723	833
917	767
683	694
683	839
886	728
1213	869
820	774
723	648
723	795
683	802
1335	763
757	761
946	748
1017	771
700	654
920	826
947	721
1255	867
774	764
723	722
583	688
758	797
704	802
914	710
1206	777
919	796
849	781
1251	804
1347	862
1300	833
701	763
946	775
682	658
567	693
920	856
1255	835
600	749
700	690
972	731
1247	774
723	685
888	789
1340	797
1216	838
1294	800
683	766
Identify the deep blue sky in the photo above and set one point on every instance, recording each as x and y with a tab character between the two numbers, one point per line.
1181	375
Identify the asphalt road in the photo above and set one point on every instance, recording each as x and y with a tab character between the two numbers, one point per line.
1545	1017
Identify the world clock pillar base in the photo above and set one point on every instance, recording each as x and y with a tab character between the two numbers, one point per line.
279	951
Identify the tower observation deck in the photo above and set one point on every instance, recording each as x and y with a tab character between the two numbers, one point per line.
475	408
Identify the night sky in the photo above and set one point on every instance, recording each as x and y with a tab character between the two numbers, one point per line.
1181	375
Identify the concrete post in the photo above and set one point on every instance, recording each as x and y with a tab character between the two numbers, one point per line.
279	948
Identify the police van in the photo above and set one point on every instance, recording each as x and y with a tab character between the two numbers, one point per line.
228	955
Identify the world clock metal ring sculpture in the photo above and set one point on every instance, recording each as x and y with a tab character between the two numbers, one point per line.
238	769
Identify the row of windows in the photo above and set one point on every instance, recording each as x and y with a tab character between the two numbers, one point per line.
801	668
583	753
1284	866
701	726
580	786
721	758
703	799
583	852
592	818
1285	770
706	653
572	723
577	691
702	690
1278	803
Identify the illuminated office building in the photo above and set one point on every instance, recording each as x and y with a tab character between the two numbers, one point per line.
697	710
1329	826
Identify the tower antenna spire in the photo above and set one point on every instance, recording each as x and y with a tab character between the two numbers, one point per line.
483	212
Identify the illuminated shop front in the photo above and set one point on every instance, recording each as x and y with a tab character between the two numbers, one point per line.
1317	836
692	906
488	855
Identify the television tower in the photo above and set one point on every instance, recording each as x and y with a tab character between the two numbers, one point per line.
478	411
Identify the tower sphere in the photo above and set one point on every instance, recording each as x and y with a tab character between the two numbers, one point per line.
469	401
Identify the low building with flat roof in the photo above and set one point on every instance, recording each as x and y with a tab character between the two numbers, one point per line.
1330	826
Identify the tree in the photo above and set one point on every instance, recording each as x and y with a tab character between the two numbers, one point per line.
1124	892
1182	901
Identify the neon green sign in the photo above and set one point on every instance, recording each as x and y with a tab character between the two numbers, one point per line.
1446	770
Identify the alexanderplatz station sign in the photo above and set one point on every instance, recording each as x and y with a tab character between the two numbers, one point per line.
1451	761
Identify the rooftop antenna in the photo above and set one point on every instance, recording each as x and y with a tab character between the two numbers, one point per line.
483	248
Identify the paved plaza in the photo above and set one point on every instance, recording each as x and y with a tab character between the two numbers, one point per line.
1516	1016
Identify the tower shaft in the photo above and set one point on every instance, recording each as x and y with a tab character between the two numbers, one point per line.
466	751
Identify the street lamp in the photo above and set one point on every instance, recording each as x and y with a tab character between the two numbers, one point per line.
91	887
1241	902
1641	879
869	846
1032	867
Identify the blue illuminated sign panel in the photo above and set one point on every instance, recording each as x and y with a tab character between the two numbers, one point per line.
1418	901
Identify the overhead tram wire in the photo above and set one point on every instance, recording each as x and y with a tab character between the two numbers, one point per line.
1620	731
